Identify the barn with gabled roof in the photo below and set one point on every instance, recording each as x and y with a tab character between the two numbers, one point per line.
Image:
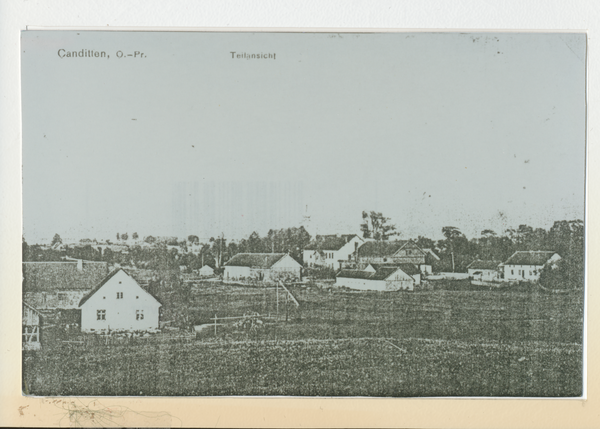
60	285
268	267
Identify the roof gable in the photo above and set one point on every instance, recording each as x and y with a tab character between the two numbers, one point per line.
91	293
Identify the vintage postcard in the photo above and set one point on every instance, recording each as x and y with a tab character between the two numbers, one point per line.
318	214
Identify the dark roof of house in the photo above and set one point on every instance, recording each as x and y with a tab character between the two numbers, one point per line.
383	273
380	248
329	242
255	260
104	281
478	264
355	274
529	257
53	276
409	269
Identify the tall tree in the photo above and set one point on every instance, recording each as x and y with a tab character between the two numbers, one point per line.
452	234
377	226
135	236
193	239
124	236
56	239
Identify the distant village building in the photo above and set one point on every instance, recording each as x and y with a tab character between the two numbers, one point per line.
527	265
397	252
380	277
118	302
484	270
329	250
206	271
60	285
31	325
268	267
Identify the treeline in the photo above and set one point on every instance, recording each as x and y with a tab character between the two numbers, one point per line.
171	255
564	237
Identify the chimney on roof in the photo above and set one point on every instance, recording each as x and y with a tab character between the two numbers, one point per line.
80	265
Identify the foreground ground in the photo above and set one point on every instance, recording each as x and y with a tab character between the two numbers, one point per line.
429	343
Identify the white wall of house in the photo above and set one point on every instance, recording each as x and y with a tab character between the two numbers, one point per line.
331	258
236	273
361	284
484	275
529	273
399	280
286	267
120	304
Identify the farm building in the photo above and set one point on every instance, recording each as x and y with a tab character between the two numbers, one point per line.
268	267
380	278
484	270
397	252
527	265
31	327
118	302
60	285
206	271
328	250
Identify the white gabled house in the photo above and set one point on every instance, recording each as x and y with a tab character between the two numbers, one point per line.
330	250
527	265
119	303
206	271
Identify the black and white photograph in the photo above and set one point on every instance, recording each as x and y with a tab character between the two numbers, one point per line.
303	214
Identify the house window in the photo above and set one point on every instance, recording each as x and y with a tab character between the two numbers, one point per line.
62	296
139	314
100	314
530	273
512	271
119	295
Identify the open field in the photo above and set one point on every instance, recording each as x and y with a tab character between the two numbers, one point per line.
429	343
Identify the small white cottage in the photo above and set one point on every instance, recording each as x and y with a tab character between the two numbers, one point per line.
206	271
119	303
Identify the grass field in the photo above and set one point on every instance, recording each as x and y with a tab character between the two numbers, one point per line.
429	343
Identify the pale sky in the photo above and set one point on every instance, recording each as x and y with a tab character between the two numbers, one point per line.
473	130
